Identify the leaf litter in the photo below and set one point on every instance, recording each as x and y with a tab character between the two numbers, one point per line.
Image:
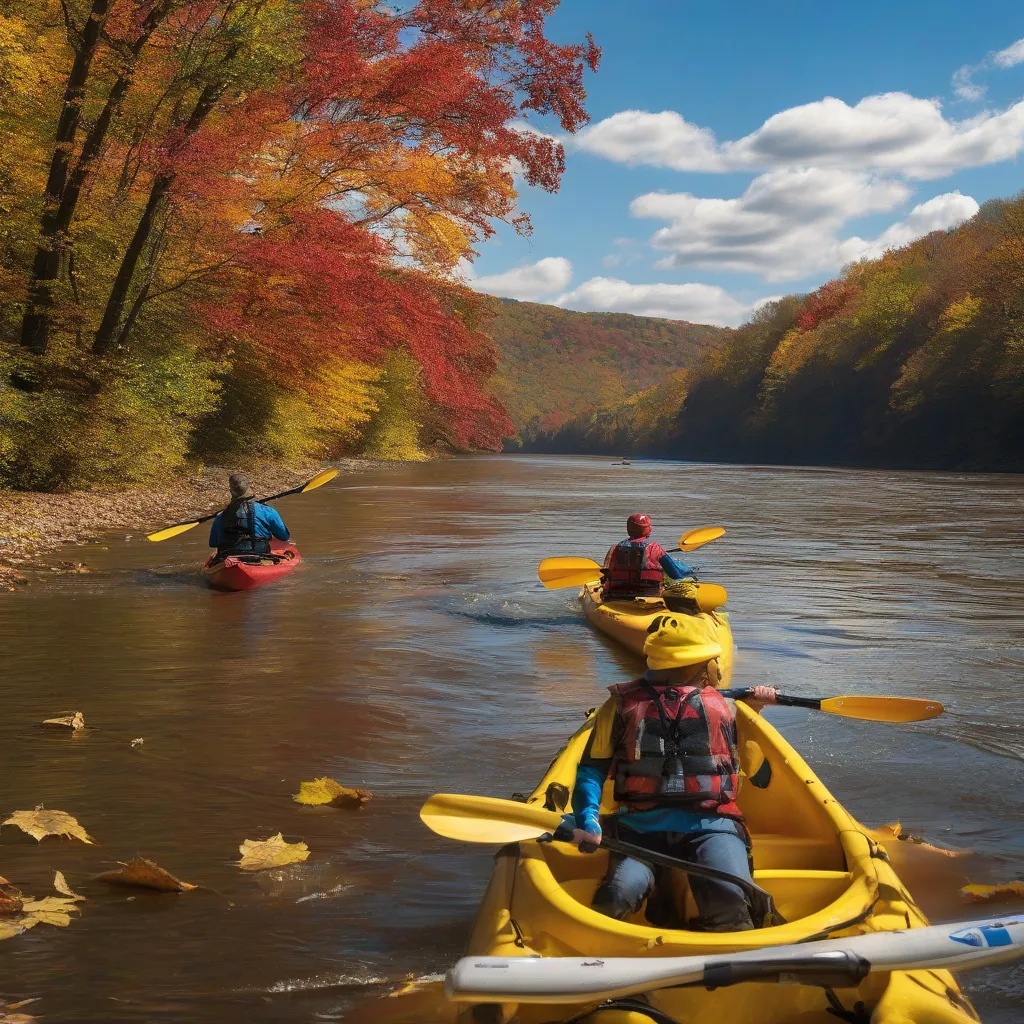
327	791
275	852
51	910
41	823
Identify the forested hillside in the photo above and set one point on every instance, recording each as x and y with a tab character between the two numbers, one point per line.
915	359
554	363
227	227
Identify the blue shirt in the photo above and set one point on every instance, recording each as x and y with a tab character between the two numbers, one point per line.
675	568
267	522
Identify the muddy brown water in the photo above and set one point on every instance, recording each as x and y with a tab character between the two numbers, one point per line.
413	651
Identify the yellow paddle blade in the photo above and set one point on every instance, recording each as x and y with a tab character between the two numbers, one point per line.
171	531
883	709
484	819
319	480
693	539
710	596
558	573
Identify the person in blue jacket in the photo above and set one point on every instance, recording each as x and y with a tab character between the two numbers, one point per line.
245	527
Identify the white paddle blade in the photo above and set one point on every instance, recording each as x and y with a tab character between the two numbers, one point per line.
575	980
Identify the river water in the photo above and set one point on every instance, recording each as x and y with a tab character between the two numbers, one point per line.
413	652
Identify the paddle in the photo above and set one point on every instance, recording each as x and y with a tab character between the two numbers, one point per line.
868	709
563	572
697	538
483	819
830	963
310	485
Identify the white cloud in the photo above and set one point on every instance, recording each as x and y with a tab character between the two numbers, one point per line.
532	281
964	85
698	303
893	132
936	214
1011	56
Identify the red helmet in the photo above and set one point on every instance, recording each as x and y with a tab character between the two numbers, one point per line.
638	525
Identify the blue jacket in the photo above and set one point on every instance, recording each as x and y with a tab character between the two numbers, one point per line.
268	524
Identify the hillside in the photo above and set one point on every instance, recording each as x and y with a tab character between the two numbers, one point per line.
912	360
555	363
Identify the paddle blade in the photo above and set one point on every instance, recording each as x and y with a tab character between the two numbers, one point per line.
319	480
558	573
693	539
171	531
710	596
883	709
484	819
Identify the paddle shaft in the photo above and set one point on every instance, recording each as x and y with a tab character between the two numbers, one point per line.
743	692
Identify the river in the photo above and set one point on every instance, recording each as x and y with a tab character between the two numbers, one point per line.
413	652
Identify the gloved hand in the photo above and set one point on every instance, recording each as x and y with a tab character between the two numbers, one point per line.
585	834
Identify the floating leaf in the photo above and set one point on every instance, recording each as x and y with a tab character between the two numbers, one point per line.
11	926
52	910
145	874
75	721
988	892
40	823
63	888
9	1017
327	791
11	899
138	742
275	852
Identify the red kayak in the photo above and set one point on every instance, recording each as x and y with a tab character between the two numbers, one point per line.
245	572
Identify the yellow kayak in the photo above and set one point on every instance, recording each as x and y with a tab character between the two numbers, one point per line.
627	622
828	878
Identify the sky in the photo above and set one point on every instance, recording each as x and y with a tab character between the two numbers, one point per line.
739	150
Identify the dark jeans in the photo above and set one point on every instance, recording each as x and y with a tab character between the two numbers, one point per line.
721	907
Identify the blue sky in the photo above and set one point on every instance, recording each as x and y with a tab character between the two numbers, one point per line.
740	150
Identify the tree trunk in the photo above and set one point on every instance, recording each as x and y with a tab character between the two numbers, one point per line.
35	326
109	332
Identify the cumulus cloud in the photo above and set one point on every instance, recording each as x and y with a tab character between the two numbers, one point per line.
532	281
698	303
893	132
1011	56
786	225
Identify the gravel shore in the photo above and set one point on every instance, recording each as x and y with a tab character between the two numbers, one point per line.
34	525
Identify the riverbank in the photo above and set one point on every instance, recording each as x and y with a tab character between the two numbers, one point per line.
35	525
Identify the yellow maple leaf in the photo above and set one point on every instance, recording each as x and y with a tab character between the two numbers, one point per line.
51	910
275	852
988	892
75	721
145	874
41	823
327	791
61	885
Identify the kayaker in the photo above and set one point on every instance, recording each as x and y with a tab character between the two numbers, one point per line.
668	740
245	527
636	566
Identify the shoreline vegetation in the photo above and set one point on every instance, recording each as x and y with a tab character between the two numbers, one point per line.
35	525
914	360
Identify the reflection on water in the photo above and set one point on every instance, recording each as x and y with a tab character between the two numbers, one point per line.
413	651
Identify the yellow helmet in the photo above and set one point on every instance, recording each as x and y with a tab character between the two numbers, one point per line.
675	641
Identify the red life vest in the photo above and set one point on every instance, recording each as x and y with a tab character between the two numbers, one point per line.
633	569
678	749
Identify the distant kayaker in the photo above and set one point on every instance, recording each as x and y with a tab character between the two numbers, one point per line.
245	527
636	566
668	740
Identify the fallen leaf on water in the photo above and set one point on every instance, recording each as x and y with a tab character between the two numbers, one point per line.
11	926
988	892
11	899
327	791
75	721
52	910
40	823
61	885
274	852
144	873
138	742
7	1017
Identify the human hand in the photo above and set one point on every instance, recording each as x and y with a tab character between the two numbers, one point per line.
764	694
586	837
